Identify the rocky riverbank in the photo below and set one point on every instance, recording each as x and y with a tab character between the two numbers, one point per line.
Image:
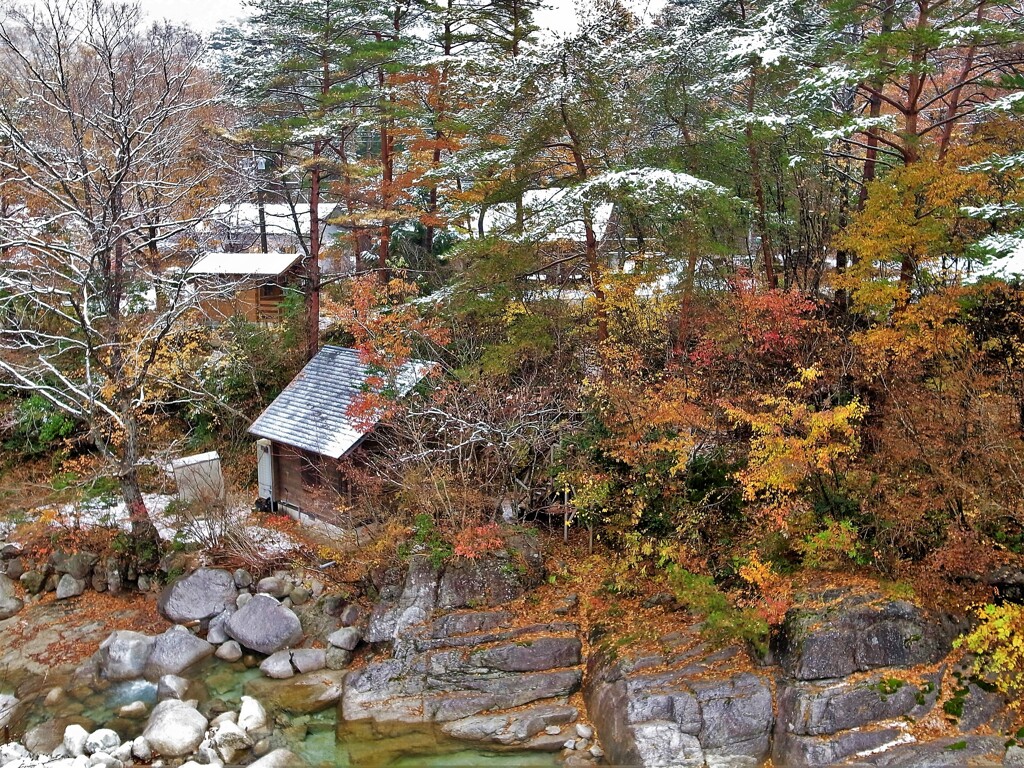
855	679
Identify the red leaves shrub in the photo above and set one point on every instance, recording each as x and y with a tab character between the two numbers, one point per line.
477	541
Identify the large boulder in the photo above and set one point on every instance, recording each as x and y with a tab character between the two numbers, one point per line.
511	728
10	603
480	582
200	596
264	625
414	604
462	666
493	579
834	634
8	708
123	655
820	724
176	650
69	586
174	729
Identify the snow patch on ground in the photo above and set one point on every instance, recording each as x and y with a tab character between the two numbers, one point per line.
175	526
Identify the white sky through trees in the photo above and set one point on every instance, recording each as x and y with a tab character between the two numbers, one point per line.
207	15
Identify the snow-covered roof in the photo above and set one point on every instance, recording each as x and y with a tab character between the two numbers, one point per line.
542	205
280	218
266	264
312	413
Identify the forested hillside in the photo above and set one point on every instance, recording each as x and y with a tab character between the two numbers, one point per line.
724	296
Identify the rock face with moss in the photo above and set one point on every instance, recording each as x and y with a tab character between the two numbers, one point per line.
461	665
687	706
836	634
480	583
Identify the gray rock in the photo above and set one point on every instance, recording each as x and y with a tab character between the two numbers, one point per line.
176	650
273	586
144	583
112	575
584	731
337	658
264	625
683	716
811	709
103	760
489	581
198	597
75	737
217	631
415	604
243	599
32	581
983	709
14	568
858	633
13	751
134	710
949	752
231	742
8	708
98	581
69	586
172	687
229	651
10	603
350	615
279	758
445	679
513	728
103	740
123	655
141	749
252	717
299	595
9	549
1014	757
278	665
242	578
124	752
174	729
298	695
79	564
309	660
346	637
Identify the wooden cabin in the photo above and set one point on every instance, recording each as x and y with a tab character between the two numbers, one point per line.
309	428
247	285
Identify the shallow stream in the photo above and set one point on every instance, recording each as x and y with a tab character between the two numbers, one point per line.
318	738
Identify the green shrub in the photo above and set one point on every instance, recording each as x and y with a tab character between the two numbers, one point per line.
723	622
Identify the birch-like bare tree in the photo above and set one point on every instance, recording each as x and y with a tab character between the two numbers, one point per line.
105	169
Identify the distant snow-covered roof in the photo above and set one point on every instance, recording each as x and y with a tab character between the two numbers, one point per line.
265	264
280	218
543	205
312	413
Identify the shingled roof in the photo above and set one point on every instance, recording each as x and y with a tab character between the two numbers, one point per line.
312	412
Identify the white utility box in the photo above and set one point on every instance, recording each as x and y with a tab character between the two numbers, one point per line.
199	477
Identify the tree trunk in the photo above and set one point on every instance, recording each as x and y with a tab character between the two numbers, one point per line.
313	266
760	206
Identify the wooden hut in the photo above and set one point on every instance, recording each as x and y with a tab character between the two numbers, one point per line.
306	431
247	285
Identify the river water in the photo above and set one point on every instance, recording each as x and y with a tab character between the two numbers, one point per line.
319	738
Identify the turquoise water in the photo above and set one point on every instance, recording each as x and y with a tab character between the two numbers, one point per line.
318	738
